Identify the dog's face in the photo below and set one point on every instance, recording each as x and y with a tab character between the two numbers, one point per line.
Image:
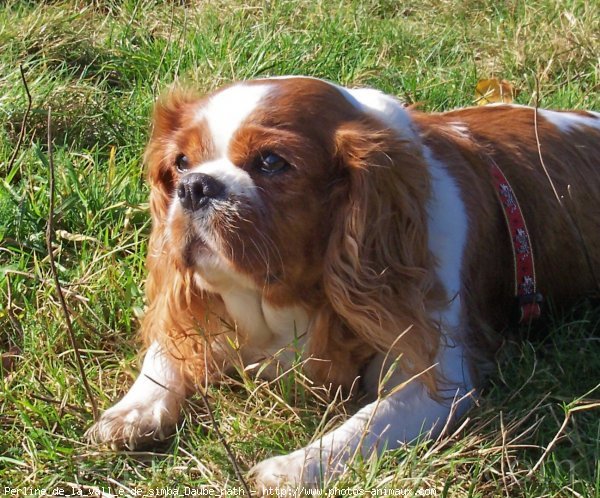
299	191
248	180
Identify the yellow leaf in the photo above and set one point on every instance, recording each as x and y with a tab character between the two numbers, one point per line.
494	90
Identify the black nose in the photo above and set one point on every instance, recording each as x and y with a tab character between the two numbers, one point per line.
196	189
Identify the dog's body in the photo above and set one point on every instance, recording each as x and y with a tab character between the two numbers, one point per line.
293	217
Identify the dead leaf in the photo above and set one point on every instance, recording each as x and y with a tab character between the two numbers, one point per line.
9	359
493	90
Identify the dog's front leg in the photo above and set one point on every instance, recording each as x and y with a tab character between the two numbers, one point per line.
383	424
151	408
405	413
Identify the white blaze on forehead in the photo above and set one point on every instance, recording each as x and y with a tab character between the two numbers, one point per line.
566	121
227	110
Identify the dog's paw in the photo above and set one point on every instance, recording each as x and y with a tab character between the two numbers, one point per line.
134	425
280	472
301	469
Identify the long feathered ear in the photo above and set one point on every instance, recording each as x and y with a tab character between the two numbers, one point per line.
178	312
168	117
378	273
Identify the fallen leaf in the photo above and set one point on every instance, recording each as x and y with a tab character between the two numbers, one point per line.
493	90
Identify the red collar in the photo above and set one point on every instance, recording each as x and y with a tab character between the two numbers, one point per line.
528	298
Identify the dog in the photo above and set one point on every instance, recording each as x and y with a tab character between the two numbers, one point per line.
293	217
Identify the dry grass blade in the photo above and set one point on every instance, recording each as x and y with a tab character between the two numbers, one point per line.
11	315
61	297
230	455
587	406
23	123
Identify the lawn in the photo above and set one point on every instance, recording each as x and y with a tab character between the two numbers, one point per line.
99	66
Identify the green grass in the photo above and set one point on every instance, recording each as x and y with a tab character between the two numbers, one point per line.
99	66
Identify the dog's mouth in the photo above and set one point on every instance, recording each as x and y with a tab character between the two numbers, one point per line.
193	250
190	234
227	235
207	232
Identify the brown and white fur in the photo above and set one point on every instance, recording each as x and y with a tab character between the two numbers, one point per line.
293	216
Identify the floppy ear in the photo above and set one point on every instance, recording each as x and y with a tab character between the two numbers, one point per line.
178	311
378	272
168	117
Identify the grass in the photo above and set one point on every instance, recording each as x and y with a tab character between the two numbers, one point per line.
99	66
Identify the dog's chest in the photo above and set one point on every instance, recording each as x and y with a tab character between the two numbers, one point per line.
265	330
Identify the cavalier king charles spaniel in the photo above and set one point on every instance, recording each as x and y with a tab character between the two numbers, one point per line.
294	218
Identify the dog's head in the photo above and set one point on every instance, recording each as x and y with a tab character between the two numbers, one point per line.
313	194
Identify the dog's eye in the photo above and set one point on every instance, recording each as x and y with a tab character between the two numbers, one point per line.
270	163
181	163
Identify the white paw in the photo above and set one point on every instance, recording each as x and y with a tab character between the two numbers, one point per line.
302	468
279	472
136	424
